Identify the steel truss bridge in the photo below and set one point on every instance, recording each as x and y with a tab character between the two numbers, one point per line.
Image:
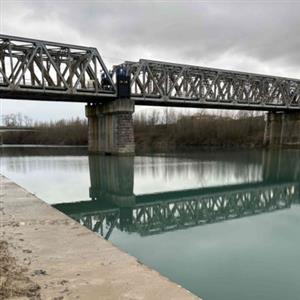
162	212
40	70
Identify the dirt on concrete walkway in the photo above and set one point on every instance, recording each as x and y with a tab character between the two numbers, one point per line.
13	280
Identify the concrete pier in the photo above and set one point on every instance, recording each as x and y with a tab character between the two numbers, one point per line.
282	129
70	262
90	112
110	127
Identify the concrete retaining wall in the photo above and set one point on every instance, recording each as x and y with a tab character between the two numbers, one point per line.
70	262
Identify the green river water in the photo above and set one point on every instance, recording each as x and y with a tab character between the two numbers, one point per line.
223	224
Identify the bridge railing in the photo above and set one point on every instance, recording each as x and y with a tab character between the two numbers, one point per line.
41	67
164	83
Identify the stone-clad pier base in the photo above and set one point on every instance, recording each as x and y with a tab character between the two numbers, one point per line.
70	262
282	129
110	127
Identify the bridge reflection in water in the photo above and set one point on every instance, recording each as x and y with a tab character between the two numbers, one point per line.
114	205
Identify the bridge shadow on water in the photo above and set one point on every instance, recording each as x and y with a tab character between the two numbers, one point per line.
113	203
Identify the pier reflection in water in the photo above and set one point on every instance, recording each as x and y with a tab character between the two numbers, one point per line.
114	205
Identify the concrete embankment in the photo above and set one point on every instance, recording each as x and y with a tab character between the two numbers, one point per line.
67	260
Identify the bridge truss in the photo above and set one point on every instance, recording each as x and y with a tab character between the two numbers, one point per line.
34	69
169	84
40	70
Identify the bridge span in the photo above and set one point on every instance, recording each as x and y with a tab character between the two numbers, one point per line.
48	71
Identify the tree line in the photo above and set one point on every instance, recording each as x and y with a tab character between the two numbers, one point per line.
173	131
156	131
61	132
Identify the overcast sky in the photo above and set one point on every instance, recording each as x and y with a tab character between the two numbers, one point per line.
254	36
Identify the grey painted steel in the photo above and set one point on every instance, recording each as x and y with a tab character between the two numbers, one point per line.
170	84
40	70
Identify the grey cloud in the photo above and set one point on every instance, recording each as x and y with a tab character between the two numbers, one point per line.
195	29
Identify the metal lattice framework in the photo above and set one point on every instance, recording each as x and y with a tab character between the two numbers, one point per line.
169	84
157	216
34	69
39	70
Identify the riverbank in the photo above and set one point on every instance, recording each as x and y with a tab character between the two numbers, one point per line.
66	260
154	132
69	150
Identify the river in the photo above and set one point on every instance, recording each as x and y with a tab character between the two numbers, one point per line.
223	224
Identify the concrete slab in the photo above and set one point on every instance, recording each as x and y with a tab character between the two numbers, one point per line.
70	262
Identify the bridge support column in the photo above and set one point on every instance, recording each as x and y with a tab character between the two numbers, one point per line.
113	132
90	112
291	129
282	128
273	128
